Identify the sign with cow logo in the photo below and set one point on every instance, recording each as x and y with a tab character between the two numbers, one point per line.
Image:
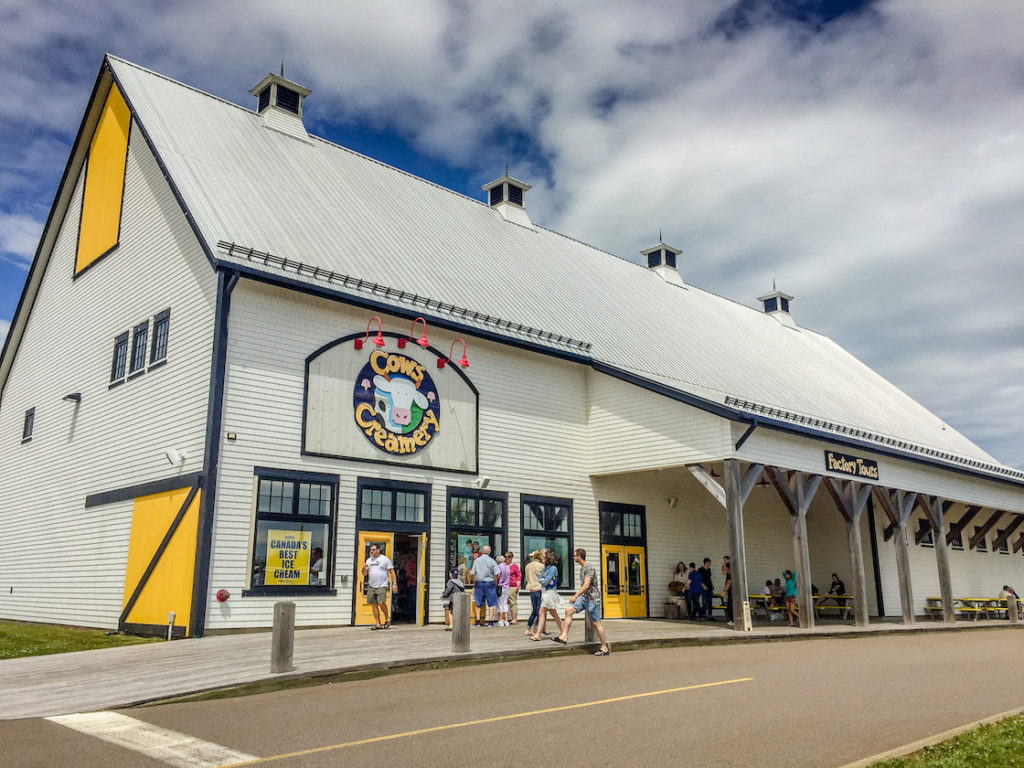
395	403
389	405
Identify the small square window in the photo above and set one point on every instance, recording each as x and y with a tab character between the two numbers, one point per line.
287	99
515	194
982	545
495	195
770	305
1004	547
139	336
30	422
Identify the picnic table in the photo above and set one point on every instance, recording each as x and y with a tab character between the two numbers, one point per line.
971	606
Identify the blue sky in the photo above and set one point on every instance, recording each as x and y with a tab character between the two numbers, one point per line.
868	157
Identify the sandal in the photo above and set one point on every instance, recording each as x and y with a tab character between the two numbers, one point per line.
559	640
535	639
387	626
375	627
601	652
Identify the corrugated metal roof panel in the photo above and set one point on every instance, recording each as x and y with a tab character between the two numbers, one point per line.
328	207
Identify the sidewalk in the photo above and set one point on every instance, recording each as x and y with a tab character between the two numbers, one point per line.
41	686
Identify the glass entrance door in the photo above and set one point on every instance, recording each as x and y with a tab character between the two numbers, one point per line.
636	586
611	585
363	612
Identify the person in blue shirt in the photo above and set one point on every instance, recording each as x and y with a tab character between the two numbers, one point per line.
790	596
694	590
550	601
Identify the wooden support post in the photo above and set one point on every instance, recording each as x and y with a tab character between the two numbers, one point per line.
1018	544
737	489
460	622
282	644
851	499
589	633
934	510
797	492
898	505
1011	610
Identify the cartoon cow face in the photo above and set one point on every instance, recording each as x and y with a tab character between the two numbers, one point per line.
393	401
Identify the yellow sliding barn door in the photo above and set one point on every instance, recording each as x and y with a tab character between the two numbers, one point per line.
161	562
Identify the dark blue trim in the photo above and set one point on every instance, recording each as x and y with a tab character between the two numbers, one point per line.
472	493
301	476
163	169
211	453
526	498
745	435
305	401
191	480
397	526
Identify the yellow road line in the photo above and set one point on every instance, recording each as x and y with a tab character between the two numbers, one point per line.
514	716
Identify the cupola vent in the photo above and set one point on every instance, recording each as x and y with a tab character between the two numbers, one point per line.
661	259
776	304
279	101
506	196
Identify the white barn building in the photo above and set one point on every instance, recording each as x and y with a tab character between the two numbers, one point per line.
214	368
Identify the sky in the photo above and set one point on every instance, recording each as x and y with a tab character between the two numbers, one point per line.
866	157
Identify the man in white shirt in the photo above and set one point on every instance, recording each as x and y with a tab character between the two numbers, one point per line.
381	582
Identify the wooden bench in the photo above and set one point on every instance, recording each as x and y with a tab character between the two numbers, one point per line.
972	606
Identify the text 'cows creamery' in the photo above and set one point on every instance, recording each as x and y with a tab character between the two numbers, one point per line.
395	403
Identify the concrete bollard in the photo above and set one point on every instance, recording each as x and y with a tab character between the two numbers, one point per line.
1011	610
283	643
589	633
460	622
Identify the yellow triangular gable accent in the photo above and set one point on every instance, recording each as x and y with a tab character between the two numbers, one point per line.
169	587
104	182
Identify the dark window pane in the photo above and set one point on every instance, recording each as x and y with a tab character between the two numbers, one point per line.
120	362
785	305
463	511
161	328
492	513
770	305
264	99
139	336
29	425
495	195
670	259
409	507
654	259
318	538
515	194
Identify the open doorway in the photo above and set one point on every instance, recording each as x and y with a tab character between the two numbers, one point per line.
407	605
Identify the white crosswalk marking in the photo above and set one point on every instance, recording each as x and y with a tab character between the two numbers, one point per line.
171	747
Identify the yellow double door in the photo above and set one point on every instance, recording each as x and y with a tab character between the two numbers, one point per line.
386	541
624	581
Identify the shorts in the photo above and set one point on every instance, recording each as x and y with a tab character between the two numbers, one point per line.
592	608
377	595
503	601
446	604
485	591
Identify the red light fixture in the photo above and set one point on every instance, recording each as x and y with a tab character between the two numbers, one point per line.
378	339
422	340
223	595
463	361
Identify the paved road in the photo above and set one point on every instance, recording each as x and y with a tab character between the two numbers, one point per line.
813	703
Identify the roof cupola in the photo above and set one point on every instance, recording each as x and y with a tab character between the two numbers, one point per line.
506	196
776	304
279	101
661	259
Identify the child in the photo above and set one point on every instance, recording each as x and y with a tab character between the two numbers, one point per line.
455	584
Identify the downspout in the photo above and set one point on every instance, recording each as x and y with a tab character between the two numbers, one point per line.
226	281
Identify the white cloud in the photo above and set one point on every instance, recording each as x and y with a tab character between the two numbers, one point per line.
874	167
19	236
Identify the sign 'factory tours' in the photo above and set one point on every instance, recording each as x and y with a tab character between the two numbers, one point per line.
851	465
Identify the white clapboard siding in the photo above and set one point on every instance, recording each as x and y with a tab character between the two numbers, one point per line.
631	428
532	441
61	562
782	450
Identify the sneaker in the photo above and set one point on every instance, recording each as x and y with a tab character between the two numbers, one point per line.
729	624
448	628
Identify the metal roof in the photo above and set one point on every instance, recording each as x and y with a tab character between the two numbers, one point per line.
334	211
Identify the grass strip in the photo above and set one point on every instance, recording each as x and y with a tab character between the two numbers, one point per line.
18	639
999	744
